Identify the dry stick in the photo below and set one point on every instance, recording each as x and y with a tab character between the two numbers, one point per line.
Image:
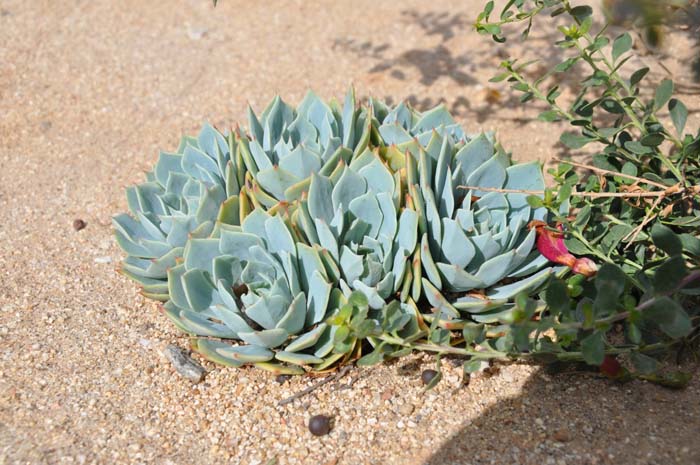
632	235
313	387
593	195
612	173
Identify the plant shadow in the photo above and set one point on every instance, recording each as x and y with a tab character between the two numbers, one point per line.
579	418
441	60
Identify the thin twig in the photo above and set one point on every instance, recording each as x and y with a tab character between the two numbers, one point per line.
612	173
632	235
501	190
593	195
313	387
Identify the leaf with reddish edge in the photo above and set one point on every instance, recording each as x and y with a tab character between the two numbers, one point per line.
551	245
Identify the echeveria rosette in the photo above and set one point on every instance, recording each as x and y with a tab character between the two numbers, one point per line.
357	219
403	129
184	197
259	285
356	216
286	145
472	241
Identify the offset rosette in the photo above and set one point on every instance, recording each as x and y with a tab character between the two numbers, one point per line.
476	251
256	284
287	145
214	179
183	197
356	216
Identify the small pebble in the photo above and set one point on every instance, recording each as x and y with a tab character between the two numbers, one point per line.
45	125
427	376
281	379
562	435
319	425
79	224
184	364
406	409
196	33
105	259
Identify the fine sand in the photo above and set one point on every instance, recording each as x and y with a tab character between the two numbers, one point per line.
91	90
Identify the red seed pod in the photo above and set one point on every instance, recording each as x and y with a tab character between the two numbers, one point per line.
611	367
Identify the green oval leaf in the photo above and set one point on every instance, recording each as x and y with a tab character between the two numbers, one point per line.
663	93
621	45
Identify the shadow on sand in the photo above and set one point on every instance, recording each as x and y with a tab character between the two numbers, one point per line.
581	419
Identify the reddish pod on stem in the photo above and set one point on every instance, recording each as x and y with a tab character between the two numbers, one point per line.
551	245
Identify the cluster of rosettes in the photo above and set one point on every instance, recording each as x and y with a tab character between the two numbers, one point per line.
288	244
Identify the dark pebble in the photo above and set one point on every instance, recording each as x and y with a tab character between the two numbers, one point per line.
427	376
281	379
79	224
319	425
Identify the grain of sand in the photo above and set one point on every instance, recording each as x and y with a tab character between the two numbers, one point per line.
90	90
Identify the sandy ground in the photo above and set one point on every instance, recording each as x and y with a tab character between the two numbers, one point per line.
90	90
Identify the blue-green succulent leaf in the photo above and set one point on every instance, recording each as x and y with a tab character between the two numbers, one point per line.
438	301
297	358
238	244
457	279
200	253
319	293
198	289
293	321
276	181
475	153
350	186
495	269
456	248
246	354
366	208
306	340
268	338
509	291
320	198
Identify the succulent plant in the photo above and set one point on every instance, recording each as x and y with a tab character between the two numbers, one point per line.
184	197
307	291
470	239
258	284
288	246
287	145
216	178
356	216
